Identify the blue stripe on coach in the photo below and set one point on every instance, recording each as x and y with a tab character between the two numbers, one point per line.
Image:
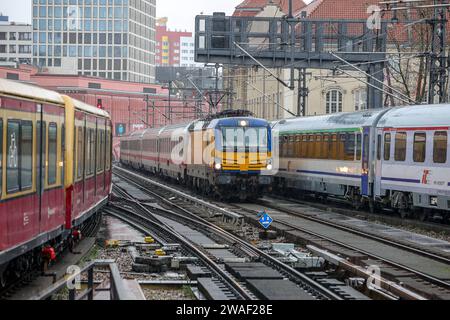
400	180
330	174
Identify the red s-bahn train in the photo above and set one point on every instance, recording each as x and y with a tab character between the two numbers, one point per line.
55	171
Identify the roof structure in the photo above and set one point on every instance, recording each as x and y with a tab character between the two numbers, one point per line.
339	9
251	8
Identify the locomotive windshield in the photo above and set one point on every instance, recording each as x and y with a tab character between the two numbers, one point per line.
245	139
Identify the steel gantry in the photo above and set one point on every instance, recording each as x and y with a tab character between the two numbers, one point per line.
295	43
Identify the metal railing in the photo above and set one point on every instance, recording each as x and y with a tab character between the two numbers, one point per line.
116	288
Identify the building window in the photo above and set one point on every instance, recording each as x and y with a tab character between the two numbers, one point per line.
24	49
334	101
360	97
24	36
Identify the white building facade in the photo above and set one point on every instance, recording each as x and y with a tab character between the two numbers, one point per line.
187	53
15	42
113	39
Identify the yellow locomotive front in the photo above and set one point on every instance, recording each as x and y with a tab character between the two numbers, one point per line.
242	157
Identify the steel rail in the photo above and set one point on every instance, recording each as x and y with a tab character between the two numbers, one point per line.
430	278
196	219
161	226
361	233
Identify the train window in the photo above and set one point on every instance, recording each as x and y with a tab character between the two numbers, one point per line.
292	146
87	149
52	153
366	147
311	144
80	153
387	147
440	147
92	151
26	155
12	158
358	146
325	146
1	155
318	147
349	147
400	146
341	146
379	147
99	152
298	146
420	146
333	147
102	150
108	149
304	146
41	142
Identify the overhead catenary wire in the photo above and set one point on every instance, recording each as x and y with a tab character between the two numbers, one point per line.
373	86
373	78
270	98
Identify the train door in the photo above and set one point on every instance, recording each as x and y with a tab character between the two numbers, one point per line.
79	163
41	141
53	196
365	172
85	159
105	155
19	210
378	161
100	161
90	168
109	148
96	157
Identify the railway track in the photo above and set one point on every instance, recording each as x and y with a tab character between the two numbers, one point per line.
381	215
17	285
428	269
439	284
184	209
142	219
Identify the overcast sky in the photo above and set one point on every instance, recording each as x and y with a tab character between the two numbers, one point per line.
181	13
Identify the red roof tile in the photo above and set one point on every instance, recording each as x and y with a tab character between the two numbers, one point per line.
251	8
339	9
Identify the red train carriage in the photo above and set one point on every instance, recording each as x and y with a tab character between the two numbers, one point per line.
49	183
89	172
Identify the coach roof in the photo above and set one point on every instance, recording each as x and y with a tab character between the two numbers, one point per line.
329	122
89	109
28	91
436	115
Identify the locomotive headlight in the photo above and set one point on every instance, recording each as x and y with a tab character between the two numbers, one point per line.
243	123
269	164
218	166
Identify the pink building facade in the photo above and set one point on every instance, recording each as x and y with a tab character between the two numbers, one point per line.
132	106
